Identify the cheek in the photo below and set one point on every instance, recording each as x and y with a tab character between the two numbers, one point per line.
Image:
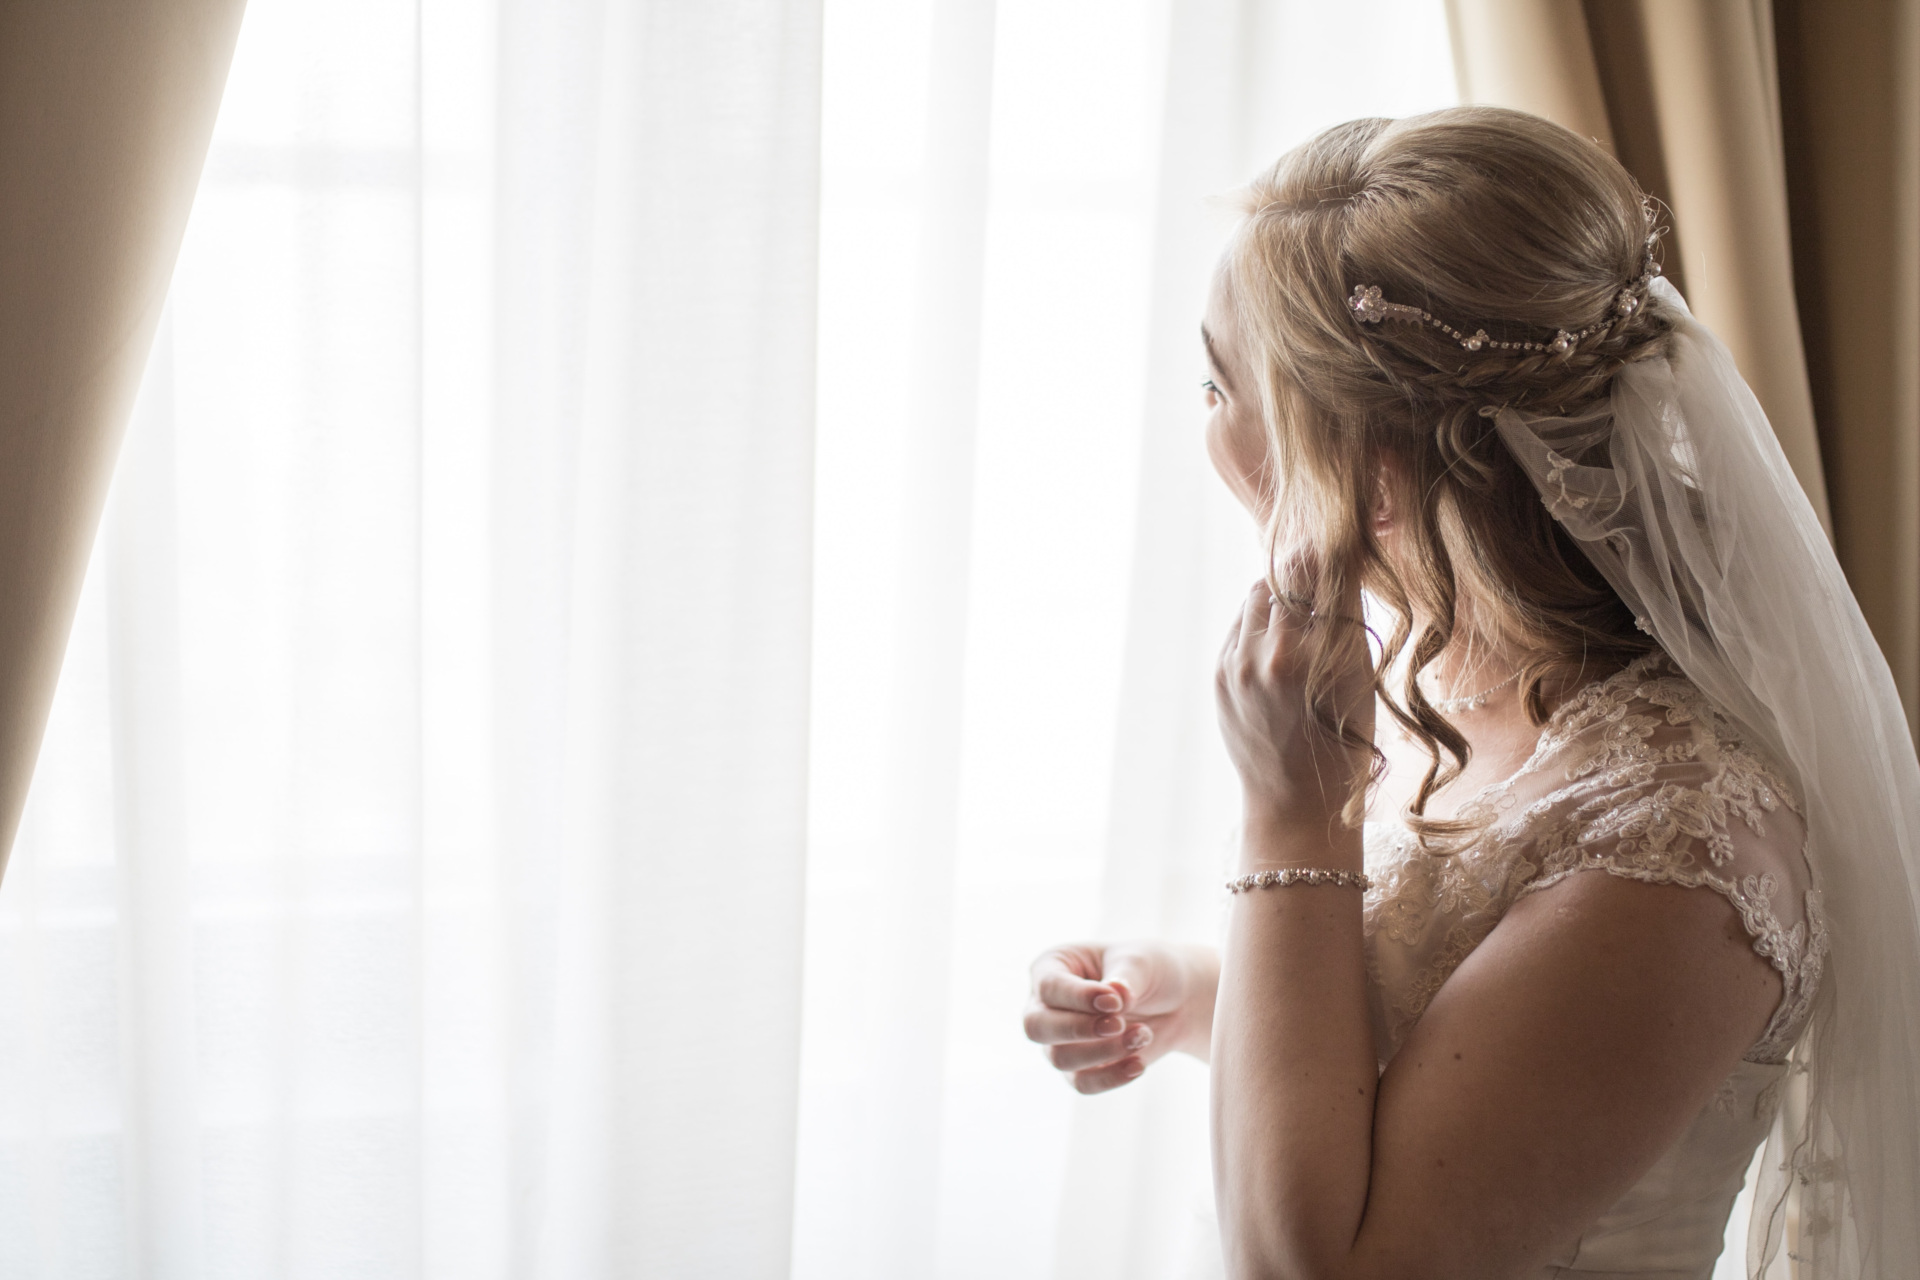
1239	453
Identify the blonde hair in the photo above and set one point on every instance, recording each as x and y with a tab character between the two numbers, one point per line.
1489	219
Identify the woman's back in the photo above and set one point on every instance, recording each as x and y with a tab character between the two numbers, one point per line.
1637	776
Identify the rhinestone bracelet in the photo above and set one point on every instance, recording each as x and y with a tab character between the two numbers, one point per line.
1299	875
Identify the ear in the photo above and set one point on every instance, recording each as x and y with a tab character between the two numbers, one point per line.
1384	512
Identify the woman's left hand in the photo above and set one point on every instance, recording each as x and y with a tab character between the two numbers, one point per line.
1294	773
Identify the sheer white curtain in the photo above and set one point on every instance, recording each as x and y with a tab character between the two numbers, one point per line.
483	677
413	883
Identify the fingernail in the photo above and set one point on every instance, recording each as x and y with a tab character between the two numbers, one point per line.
1132	1068
1108	1027
1142	1037
1107	1003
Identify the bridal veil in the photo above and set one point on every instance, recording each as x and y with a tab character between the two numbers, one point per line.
1676	488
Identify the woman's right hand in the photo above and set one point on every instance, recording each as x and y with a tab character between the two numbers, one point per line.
1106	1011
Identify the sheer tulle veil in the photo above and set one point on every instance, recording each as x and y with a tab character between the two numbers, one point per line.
1677	490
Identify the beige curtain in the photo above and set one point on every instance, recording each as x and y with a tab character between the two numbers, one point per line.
106	108
1850	110
1784	140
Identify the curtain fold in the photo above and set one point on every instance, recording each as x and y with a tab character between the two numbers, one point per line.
920	814
1850	114
160	1099
1532	55
105	113
651	600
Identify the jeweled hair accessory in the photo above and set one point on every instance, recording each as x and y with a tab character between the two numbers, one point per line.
1370	308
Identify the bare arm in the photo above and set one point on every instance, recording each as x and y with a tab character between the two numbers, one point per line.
1557	1063
1570	1049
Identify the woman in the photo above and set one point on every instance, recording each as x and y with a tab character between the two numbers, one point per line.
1447	374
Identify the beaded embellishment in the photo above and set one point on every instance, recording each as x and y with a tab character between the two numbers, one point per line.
1300	875
1472	701
1369	307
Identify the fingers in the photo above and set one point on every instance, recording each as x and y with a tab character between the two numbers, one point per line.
1131	973
1081	1021
1297	570
1058	986
1267	611
1291	609
1085	1054
1229	657
1125	1071
1063	1026
1254	612
1068	1005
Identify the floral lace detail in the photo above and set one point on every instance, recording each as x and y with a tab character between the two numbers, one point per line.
1641	777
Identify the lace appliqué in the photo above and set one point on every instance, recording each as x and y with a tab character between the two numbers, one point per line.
1563	496
1629	796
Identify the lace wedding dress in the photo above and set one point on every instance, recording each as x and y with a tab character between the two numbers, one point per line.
1639	776
1636	776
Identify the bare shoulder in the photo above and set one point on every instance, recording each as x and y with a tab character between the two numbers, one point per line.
1629	949
1562	1058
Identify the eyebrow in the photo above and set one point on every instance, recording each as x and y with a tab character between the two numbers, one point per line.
1213	358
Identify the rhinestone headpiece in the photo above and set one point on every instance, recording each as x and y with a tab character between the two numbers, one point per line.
1370	308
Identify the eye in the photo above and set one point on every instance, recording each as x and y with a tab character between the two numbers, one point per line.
1214	394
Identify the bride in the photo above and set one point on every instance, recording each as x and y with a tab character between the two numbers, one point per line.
1607	635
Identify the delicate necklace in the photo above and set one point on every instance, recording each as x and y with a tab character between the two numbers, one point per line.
1473	701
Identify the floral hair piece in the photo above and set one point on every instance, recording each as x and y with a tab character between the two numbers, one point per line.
1370	308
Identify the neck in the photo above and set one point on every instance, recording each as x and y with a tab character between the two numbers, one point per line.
1500	736
1470	670
1474	685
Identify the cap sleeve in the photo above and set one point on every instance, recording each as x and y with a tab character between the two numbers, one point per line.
1647	781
